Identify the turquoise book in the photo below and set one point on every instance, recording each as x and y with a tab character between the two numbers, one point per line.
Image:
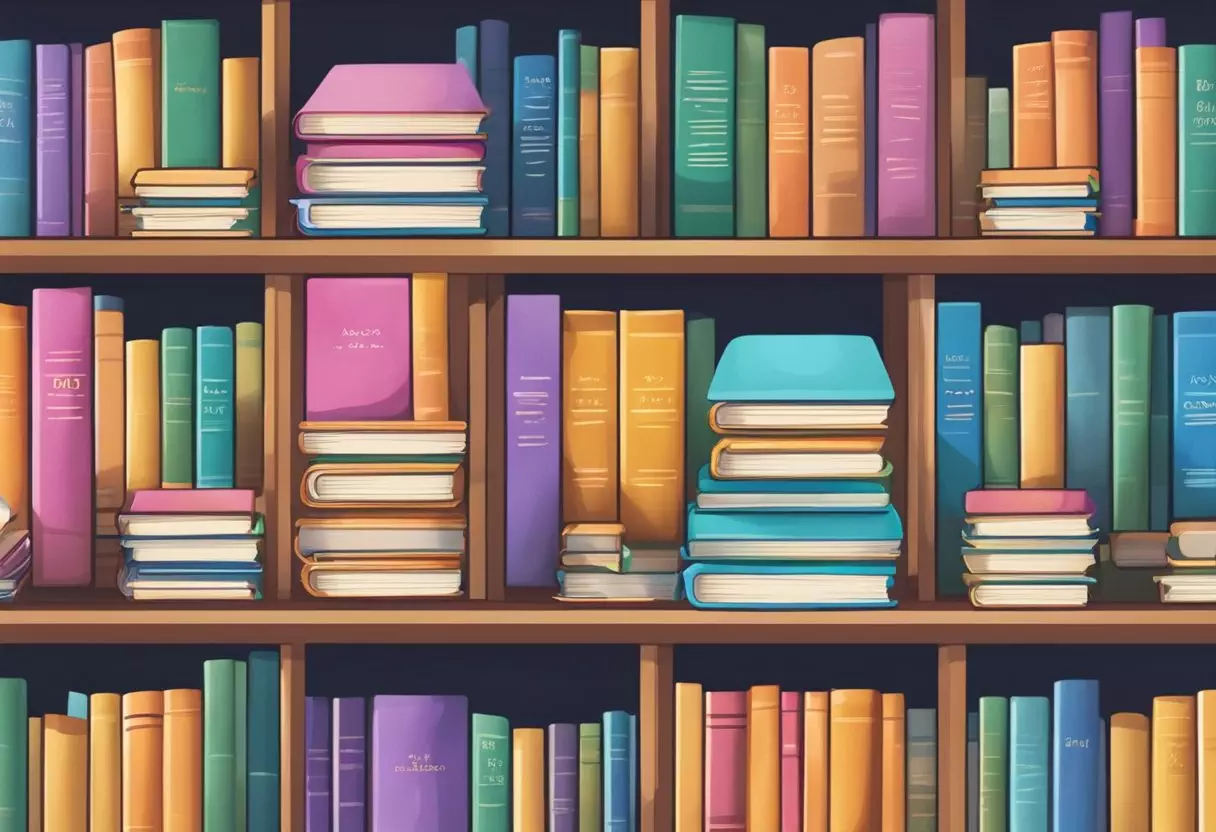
213	422
14	751
883	571
818	369
78	705
618	754
491	773
1031	332
466	50
633	771
1087	410
1194	415
751	134
190	93
1029	735
746	527
958	397
1160	407
262	789
1196	150
569	42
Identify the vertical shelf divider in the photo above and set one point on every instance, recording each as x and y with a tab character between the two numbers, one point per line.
921	480
952	738
478	494
496	437
951	92
655	102
657	738
284	382
292	751
895	356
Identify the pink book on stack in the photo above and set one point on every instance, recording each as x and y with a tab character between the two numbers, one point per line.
725	761
1028	501
188	512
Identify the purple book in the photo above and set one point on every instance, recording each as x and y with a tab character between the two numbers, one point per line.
420	763
1150	31
349	782
317	771
76	125
534	447
563	778
1116	132
54	155
907	178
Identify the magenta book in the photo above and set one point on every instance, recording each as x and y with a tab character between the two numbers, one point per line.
357	349
420	763
190	501
419	152
62	443
907	178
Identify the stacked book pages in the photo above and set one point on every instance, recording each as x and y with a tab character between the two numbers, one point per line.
1028	547
1039	202
15	553
597	565
1191	553
192	202
795	511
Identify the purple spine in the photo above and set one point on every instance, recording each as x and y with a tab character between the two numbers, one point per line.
1115	135
349	781
563	778
907	178
1150	31
317	771
420	763
77	141
534	371
54	166
869	167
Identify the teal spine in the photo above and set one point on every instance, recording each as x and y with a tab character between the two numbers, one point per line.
569	44
1030	332
466	50
78	705
1029	732
1196	149
998	128
240	742
491	774
219	745
921	769
751	134
617	769
1087	418
213	415
190	93
262	779
14	751
1160	405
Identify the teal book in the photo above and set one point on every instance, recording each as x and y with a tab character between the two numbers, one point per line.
219	745
618	765
177	407
751	133
1196	150
1160	407
633	771
569	43
994	764
1000	405
590	779
240	743
1031	332
744	526
262	779
253	204
1087	411
78	705
1132	349
704	188
1029	735
214	410
491	774
190	93
700	350
818	369
921	773
14	754
466	50
999	149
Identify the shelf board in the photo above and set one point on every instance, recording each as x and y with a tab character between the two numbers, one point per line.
576	257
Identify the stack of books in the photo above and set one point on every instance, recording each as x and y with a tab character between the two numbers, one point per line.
1057	202
393	149
15	554
803	420
1191	556
385	462
191	544
597	565
192	202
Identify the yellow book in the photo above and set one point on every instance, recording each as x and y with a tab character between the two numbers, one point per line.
429	334
894	763
15	410
182	761
815	762
143	414
1174	786
249	404
619	142
34	775
690	756
65	774
242	113
855	767
105	762
589	417
1129	773
109	430
143	750
528	779
764	759
1042	416
1207	760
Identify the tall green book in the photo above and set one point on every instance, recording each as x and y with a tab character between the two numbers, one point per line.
751	134
240	724
590	774
491	774
14	748
1001	466
700	354
569	46
1131	359
1160	466
704	188
177	407
219	745
994	763
1196	150
999	152
190	93
263	797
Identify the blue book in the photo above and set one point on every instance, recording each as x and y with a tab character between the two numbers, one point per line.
1194	415
617	768
569	44
1029	734
960	448
1030	332
78	705
16	128
476	203
213	408
1074	759
811	527
494	84
533	137
1159	407
633	773
695	571
262	777
819	369
1087	332
132	573
870	171
466	50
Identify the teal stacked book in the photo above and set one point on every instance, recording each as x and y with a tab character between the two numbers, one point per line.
793	511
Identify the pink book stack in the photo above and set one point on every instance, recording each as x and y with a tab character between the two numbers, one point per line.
392	150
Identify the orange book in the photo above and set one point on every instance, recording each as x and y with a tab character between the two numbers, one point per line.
855	768
589	417
619	142
143	414
34	775
182	781
65	774
652	500
838	163
894	763
528	779
109	428
100	173
1034	123
1156	141
965	191
105	762
1129	773
815	762
15	410
1042	416
1173	774
143	723
789	147
136	103
589	144
429	333
241	114
690	756
764	759
1075	57
1206	707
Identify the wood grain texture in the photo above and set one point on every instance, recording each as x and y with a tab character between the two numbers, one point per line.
895	356
921	481
952	738
657	738
951	111
476	315
292	741
496	437
656	118
283	386
277	182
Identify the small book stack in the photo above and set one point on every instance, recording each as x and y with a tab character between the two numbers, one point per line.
596	565
1028	547
188	544
1191	555
15	554
1054	202
796	514
393	150
192	202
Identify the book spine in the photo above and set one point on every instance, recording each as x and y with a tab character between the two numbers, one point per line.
213	421
142	418
533	195
429	346
494	74
1087	416
15	406
250	398
318	765
973	772
815	762
998	128
1130	753
66	760
492	774
1030	332
426	736
14	752
15	131
143	726
219	739
994	763
589	141
620	84
76	94
1041	420
1196	151
350	765
1029	734
240	116
1000	432
1194	414
1156	142
1174	781
177	407
1116	45
1150	31
617	809
190	94
870	168
751	215
791	762
1205	712
466	50
1075	60
966	194
764	806
54	153
907	179
1132	339
569	43
263	773
703	190
725	761
633	771
791	179
109	446
894	764
136	104
34	763
183	755
105	763
701	356
589	417
240	689
1102	804
1034	126
958	432
855	766
1074	756
1053	328
563	778
590	777
528	783
1160	406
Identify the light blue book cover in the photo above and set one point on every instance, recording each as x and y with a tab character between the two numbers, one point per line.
262	805
569	42
882	525
1194	415
466	50
617	768
533	153
78	705
1087	332
1029	735
1030	332
213	415
494	84
697	570
633	773
959	389
1074	759
818	369
16	130
706	484
1159	409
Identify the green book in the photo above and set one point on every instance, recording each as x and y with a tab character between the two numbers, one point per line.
240	742
1131	359
491	774
751	134
999	154
177	407
190	93
1159	407
569	83
219	745
262	780
590	772
589	88
704	188
253	204
994	763
14	760
700	353
1196	150
1001	466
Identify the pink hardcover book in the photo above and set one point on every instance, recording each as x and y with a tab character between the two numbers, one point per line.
419	152
725	761
907	178
357	349
791	761
62	459
1028	501
190	501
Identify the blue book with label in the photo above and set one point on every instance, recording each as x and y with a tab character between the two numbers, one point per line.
1087	331
16	128
818	369
695	570
959	388
1194	415
466	51
817	526
1074	760
1159	408
534	138
1030	332
213	402
1029	735
618	768
569	44
494	84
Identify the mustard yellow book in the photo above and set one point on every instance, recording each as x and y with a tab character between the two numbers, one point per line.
528	779
109	429
690	756
1129	773
250	399
1174	787
65	774
429	346
34	775
1207	760
105	762
143	414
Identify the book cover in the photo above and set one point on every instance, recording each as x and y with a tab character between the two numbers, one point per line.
53	67
569	46
494	84
563	777
177	407
907	180
420	762
1074	759
1196	151
317	764
751	214
349	756
994	763
16	63
1029	738
820	369
1116	50
214	416
1160	407
491	774
1087	419
534	138
959	441
1132	340
1000	403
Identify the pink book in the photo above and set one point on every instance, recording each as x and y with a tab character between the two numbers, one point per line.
907	179
190	501
62	454
725	762
791	761
357	349
1028	501
419	152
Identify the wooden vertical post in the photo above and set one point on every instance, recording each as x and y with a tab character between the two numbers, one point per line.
951	126
657	738
283	385
496	437
952	738
293	752
895	356
921	482
655	102
478	494
275	175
